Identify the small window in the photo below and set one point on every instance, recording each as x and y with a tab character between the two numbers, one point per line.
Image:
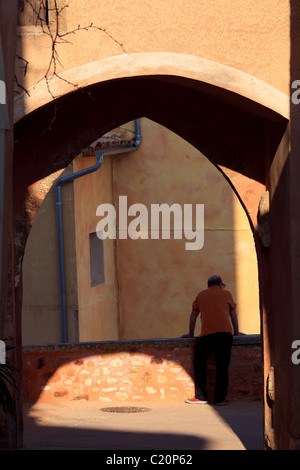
33	12
96	260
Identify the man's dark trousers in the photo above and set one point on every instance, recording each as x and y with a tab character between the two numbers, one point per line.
220	345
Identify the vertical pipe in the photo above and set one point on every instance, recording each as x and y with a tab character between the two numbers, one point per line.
60	240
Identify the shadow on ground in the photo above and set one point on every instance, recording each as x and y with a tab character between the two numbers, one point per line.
87	425
246	422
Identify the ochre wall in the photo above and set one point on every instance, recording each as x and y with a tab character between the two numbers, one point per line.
41	318
97	306
158	279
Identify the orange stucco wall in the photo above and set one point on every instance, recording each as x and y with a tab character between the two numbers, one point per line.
41	318
247	35
157	279
97	306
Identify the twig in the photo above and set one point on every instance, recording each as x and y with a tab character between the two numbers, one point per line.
51	28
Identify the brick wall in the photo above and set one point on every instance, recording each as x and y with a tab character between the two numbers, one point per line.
147	370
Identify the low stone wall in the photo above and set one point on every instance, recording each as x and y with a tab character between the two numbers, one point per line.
141	370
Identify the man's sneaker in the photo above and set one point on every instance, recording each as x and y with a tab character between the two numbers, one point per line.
195	401
222	403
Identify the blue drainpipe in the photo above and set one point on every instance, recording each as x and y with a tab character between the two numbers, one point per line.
60	234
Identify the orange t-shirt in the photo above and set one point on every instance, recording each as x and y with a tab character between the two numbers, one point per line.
215	305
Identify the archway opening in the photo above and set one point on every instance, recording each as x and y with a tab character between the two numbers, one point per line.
149	279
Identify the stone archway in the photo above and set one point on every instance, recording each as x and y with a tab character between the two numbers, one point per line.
237	121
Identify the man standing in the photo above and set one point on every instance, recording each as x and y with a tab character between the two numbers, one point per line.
218	325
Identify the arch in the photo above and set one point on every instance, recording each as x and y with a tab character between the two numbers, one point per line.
224	112
151	64
235	120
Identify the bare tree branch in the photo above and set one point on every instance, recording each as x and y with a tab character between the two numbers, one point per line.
52	29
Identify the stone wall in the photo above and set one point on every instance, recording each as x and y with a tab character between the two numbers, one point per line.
132	371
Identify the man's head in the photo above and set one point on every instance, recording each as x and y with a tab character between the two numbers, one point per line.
215	281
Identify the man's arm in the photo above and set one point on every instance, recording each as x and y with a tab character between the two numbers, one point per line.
234	321
193	318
